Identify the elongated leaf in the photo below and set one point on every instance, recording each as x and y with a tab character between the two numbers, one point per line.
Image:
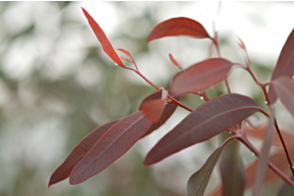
208	120
198	181
106	45
263	157
63	171
112	145
278	159
232	168
178	26
173	60
284	87
125	52
166	114
285	65
286	189
202	75
259	132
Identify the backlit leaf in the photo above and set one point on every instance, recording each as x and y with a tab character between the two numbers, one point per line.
112	145
208	120
166	114
153	109
178	26
284	87
198	181
63	171
285	65
263	157
232	168
125	52
106	45
202	75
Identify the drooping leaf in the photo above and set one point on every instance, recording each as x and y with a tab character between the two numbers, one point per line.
278	159
285	65
263	157
79	151
208	120
232	168
178	26
112	145
286	189
125	52
284	88
202	75
198	181
259	133
106	45
166	114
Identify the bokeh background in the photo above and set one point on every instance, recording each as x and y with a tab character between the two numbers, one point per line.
57	85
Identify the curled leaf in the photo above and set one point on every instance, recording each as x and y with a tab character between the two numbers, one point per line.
178	26
106	45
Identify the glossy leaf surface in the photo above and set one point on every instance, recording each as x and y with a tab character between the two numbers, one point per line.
206	121
178	26
106	45
232	168
166	114
198	181
284	87
111	146
64	170
285	65
202	75
263	157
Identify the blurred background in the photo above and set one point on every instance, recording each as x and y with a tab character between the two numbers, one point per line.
57	85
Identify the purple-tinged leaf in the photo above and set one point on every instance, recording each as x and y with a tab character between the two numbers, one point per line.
285	65
201	76
153	109
112	145
178	26
166	114
106	45
64	170
263	157
230	162
198	181
284	87
208	120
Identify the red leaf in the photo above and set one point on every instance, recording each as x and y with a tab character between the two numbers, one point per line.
112	145
259	132
202	75
125	52
178	26
173	60
284	87
167	112
206	121
285	65
106	45
153	109
63	171
263	157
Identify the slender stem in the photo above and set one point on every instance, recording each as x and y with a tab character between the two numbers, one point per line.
285	148
246	142
227	85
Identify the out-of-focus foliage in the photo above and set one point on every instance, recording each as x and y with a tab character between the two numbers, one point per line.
57	85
